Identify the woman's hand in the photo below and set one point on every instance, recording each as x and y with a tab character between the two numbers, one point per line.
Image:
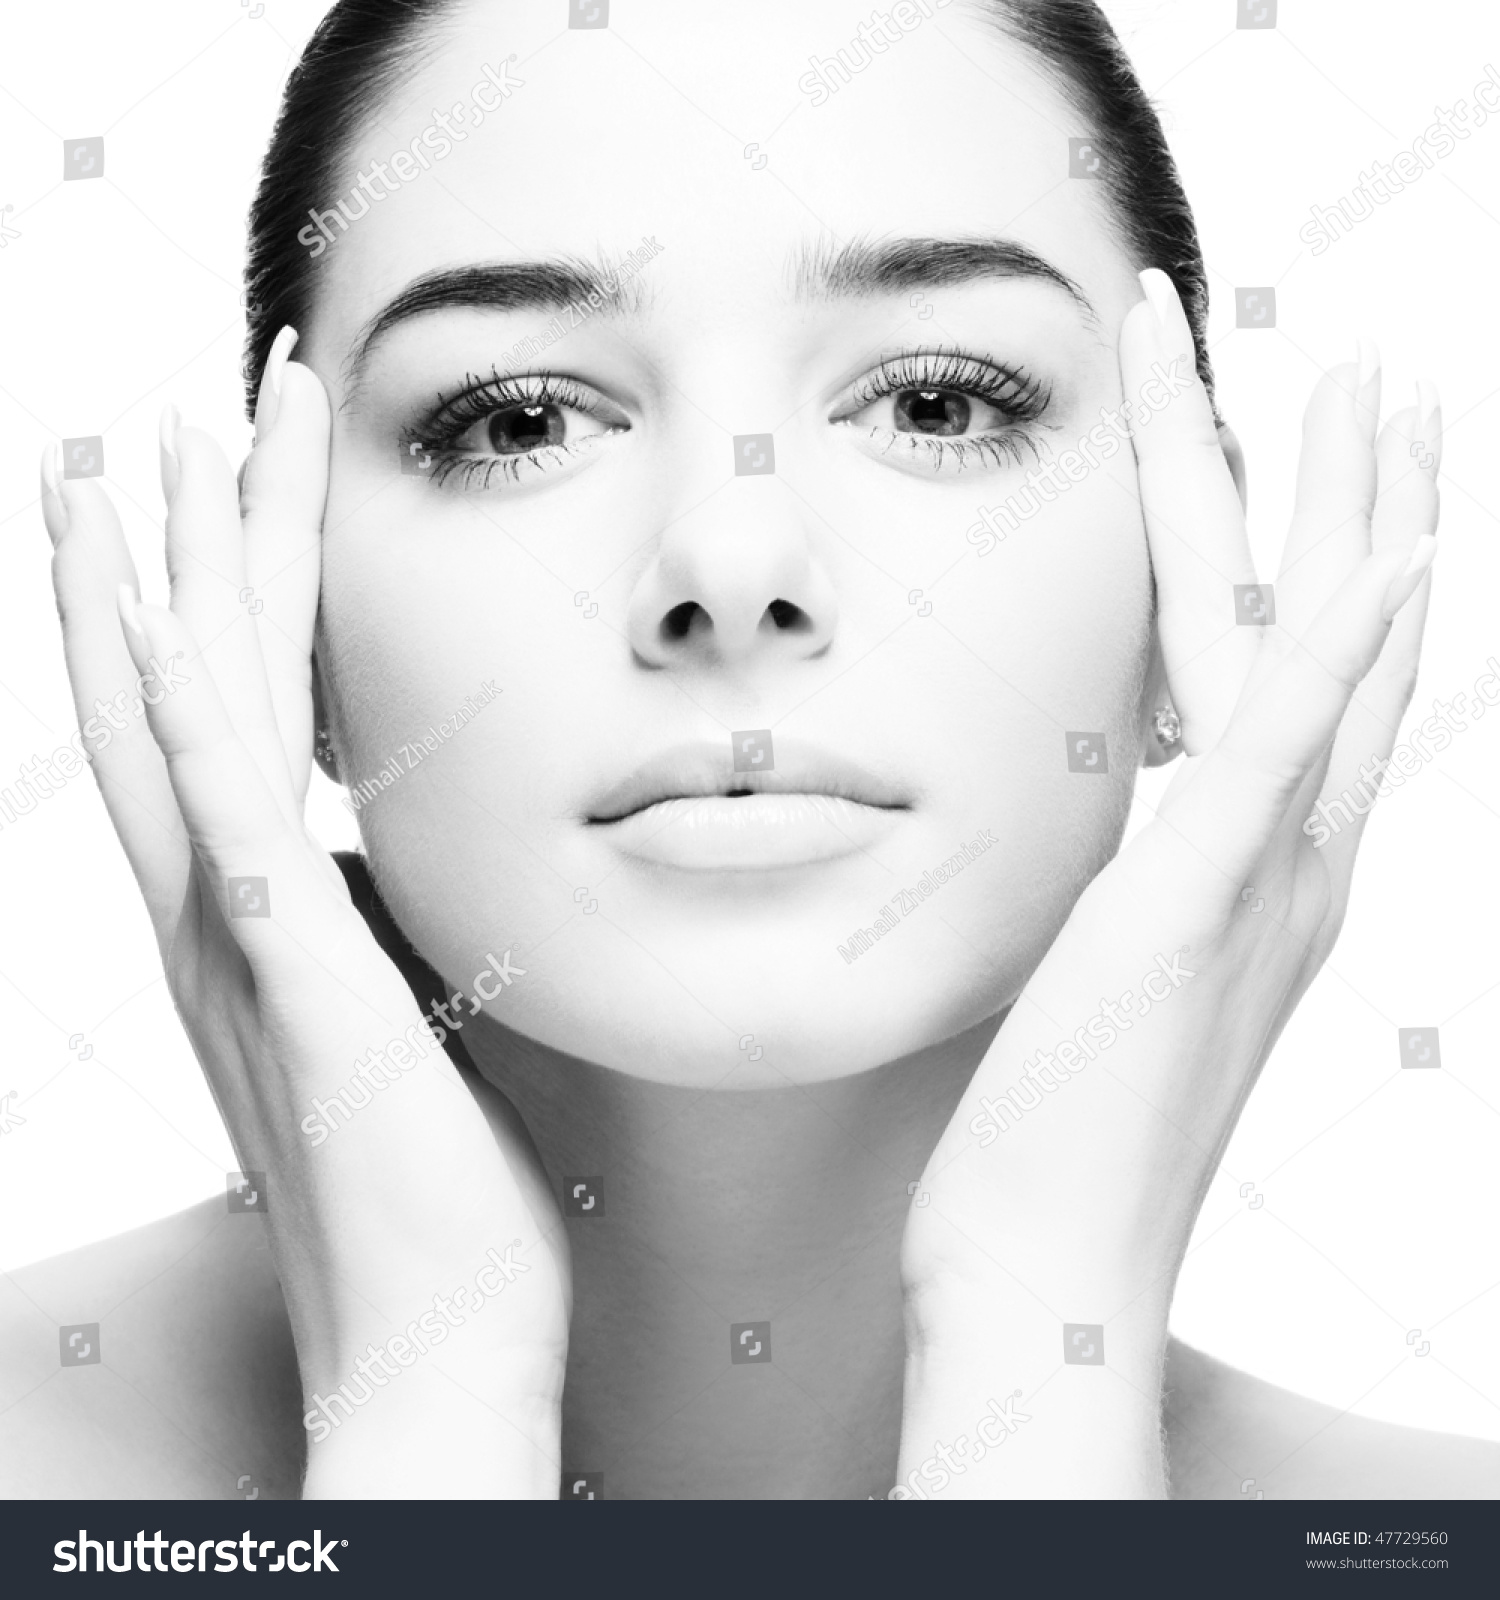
1066	1187
422	1219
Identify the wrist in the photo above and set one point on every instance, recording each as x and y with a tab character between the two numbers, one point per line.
1071	1389
443	1428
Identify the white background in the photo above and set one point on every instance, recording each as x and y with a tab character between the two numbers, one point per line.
1379	1213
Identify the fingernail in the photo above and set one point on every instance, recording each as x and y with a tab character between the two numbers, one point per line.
54	507
129	613
171	467
1369	362
1171	319
1404	584
1367	391
267	402
1430	422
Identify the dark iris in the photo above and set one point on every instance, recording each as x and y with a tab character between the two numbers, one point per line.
938	411
521	428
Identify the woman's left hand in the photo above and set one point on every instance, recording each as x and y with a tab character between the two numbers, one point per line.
1212	921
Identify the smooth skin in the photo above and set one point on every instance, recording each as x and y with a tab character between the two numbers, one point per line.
272	1003
895	1325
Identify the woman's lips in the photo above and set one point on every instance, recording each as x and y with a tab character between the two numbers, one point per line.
689	808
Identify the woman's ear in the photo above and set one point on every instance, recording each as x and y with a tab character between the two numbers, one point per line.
322	738
1235	456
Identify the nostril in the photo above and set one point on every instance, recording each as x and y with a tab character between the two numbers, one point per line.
790	618
678	622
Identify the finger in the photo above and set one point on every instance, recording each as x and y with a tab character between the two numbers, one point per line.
1195	524
282	496
1330	531
259	866
90	562
1406	509
1244	787
206	566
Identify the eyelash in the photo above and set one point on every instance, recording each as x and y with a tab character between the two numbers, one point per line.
1022	398
481	398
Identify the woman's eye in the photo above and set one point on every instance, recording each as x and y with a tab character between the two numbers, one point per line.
934	413
518	430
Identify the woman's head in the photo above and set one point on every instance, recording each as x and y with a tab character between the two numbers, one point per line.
684	375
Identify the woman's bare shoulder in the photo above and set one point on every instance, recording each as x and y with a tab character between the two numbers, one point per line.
1231	1436
154	1365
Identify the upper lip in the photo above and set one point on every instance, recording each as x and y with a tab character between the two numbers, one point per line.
700	770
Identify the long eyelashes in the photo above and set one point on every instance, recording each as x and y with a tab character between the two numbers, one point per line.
1017	398
442	432
1021	397
988	449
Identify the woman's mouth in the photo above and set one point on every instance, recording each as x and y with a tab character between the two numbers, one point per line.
688	808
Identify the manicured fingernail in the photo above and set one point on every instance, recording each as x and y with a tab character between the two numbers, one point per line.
1404	584
1369	362
1367	391
268	401
171	467
129	613
1430	423
54	507
1171	319
1160	292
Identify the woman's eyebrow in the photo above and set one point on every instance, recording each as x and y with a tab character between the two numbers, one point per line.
897	265
498	286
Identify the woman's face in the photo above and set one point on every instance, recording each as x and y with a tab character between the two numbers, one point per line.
648	591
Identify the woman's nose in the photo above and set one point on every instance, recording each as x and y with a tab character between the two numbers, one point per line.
735	583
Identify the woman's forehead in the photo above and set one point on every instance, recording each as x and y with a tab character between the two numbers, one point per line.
743	144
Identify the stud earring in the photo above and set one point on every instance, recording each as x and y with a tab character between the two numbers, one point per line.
1168	726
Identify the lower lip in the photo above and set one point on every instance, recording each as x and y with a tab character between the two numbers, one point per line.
749	833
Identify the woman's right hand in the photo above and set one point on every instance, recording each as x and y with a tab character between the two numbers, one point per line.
431	1186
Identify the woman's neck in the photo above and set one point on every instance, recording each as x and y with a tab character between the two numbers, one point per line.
717	1208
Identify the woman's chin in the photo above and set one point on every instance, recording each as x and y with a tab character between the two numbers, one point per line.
757	1030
